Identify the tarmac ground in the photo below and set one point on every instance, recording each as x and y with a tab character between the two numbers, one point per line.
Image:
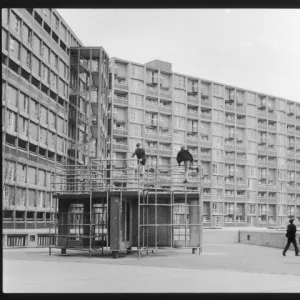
233	268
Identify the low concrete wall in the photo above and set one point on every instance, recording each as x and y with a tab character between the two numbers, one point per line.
268	238
220	236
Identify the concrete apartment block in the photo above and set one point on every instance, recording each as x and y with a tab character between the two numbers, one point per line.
247	142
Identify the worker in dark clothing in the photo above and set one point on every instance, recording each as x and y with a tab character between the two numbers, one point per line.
291	236
186	157
141	156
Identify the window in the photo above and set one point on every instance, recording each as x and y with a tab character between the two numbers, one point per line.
35	66
45	74
180	109
5	15
218	129
217	141
27	35
179	95
36	43
136	71
218	102
16	23
179	123
11	118
4	39
11	95
23	126
135	130
136	100
218	115
23	102
136	115
217	168
252	209
137	85
252	171
179	81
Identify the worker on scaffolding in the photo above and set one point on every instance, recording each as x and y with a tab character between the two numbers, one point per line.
141	156
186	157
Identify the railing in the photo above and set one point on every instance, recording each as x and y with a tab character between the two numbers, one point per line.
121	86
103	175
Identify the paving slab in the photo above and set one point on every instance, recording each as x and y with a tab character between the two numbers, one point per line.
219	268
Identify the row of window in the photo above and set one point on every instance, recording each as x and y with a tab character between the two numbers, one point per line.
17	196
17	26
181	82
47	68
57	24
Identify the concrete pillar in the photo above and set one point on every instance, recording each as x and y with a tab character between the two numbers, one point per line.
115	222
63	229
194	218
86	220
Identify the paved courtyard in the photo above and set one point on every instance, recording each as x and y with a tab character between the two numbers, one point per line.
219	269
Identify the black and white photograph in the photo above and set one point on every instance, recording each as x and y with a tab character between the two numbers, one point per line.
150	150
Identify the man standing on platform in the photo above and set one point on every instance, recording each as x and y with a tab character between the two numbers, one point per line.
291	236
186	157
141	156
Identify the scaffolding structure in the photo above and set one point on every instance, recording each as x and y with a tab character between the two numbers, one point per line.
109	205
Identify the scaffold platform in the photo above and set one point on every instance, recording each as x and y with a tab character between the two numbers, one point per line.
103	208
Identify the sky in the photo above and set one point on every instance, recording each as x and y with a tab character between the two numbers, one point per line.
254	49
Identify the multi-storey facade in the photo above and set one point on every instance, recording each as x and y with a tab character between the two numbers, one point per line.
247	142
56	110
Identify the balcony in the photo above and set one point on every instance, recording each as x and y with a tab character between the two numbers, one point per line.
272	116
230	158
205	102
119	146
151	122
240	145
151	106
230	173
204	141
272	127
165	136
205	116
290	111
229	145
261	150
193	114
120	100
241	182
241	121
230	136
152	91
165	109
229	107
121	86
229	120
149	134
122	131
167	152
192	100
165	95
262	140
152	150
230	98
262	125
263	104
192	140
290	128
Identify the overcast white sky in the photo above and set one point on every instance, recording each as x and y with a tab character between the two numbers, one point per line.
254	49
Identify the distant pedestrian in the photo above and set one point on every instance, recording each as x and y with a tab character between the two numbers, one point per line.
141	156
186	157
291	236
